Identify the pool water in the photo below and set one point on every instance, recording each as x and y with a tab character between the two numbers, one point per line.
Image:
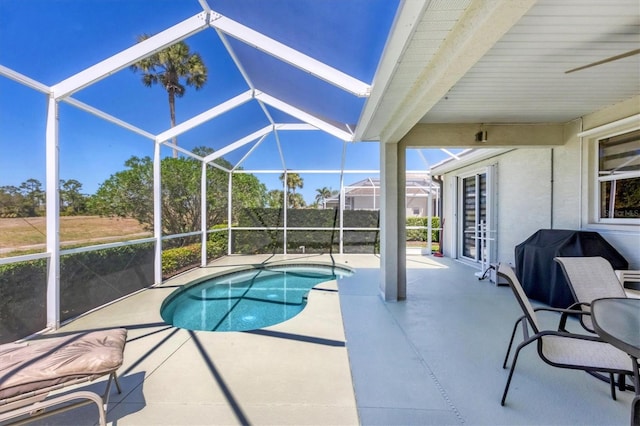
246	300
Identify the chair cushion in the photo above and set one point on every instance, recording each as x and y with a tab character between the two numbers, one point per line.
39	364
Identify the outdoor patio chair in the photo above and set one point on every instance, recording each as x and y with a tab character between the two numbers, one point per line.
560	348
29	371
590	278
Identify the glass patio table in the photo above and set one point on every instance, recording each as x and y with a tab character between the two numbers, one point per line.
617	321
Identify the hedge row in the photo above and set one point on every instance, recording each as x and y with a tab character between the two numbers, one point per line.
317	241
178	259
421	234
271	241
91	279
88	280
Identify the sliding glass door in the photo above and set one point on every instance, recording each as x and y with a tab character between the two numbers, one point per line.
475	226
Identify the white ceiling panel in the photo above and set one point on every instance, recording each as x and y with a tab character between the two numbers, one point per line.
521	78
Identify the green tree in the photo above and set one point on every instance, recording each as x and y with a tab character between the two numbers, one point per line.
170	68
11	201
274	199
34	197
296	201
322	194
247	191
72	201
129	193
294	181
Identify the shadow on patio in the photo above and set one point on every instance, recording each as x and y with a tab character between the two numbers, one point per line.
433	359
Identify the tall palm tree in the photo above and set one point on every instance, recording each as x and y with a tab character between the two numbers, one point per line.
293	181
322	195
170	67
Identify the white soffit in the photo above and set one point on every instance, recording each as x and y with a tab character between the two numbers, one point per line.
407	20
523	79
478	29
450	37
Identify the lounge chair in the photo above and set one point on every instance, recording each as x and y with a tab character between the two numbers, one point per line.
560	348
29	371
590	278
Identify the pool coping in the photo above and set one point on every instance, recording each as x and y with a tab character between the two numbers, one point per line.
320	266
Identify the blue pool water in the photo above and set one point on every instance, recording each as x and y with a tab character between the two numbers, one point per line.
246	300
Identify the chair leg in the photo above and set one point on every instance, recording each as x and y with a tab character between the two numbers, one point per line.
612	383
622	383
115	379
513	367
513	334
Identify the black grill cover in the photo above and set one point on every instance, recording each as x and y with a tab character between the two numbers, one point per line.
542	278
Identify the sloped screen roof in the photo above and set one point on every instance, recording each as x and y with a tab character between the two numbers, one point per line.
69	47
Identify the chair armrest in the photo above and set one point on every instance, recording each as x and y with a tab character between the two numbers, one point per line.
592	338
565	311
562	324
577	305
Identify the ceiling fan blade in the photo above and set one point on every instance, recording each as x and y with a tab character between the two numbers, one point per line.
604	61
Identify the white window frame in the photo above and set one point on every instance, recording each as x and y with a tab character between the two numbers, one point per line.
591	139
490	171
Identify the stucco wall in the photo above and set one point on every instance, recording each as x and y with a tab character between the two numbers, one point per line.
523	188
528	201
566	180
524	191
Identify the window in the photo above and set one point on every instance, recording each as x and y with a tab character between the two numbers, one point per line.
619	177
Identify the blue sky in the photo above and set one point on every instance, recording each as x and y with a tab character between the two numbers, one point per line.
50	40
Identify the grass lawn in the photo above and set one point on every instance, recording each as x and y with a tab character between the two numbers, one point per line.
29	234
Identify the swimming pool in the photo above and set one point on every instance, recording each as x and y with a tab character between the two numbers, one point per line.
246	300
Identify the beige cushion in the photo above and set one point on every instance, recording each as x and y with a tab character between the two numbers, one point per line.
46	362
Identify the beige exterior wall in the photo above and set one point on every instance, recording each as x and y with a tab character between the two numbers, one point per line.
528	200
523	188
567	181
371	203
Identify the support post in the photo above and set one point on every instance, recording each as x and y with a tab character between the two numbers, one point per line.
229	211
53	215
392	222
341	207
429	214
285	207
157	213
203	214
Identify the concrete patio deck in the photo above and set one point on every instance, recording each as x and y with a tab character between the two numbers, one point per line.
349	358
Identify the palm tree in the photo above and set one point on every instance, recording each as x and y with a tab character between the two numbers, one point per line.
168	67
322	195
293	181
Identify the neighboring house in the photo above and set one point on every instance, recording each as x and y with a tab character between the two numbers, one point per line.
591	182
365	195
